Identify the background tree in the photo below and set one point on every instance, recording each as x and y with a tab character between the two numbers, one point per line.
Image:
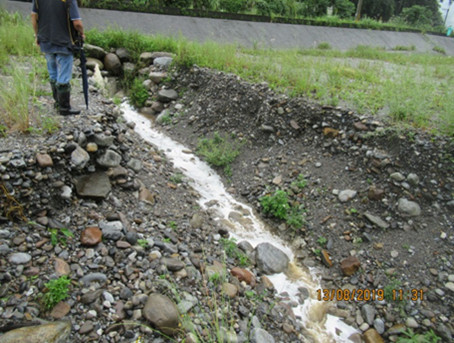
344	8
426	12
379	9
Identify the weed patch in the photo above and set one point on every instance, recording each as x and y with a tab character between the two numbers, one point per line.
57	290
219	151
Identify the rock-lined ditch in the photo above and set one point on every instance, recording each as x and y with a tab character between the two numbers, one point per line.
378	204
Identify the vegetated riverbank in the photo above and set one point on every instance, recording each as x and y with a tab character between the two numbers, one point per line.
363	191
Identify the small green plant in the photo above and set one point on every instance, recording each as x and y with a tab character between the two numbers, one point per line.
165	119
390	289
295	218
324	46
60	236
166	240
357	240
173	225
3	130
177	178
143	243
404	48
440	50
57	290
215	278
219	151
138	93
277	204
353	211
300	182
412	337
322	241
116	100
232	251
49	124
317	252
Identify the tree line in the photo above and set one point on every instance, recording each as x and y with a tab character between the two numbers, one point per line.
422	14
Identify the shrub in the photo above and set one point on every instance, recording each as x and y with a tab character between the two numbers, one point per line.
344	8
232	6
138	93
218	151
276	204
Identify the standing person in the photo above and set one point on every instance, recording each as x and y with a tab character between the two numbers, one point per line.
50	20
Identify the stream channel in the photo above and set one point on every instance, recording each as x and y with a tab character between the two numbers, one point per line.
245	225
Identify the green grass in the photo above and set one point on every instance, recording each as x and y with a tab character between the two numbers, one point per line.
410	88
412	337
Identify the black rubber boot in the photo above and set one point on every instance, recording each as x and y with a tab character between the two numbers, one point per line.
64	94
53	86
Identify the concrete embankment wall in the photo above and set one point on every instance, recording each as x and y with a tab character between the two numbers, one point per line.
249	34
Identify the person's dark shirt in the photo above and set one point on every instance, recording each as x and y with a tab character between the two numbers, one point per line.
53	30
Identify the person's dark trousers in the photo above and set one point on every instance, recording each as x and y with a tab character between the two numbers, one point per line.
64	95
53	86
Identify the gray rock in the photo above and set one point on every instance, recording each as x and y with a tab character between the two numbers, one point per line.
409	208
346	195
110	159
167	95
261	336
123	54
270	260
95	185
376	221
112	64
172	264
66	192
91	296
103	140
162	312
163	61
19	258
94	51
397	177
94	277
146	58
413	179
128	68
411	323
93	62
379	325
135	164
79	158
368	312
450	286
112	230
157	77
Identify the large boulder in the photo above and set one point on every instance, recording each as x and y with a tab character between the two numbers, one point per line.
270	260
162	312
113	64
57	332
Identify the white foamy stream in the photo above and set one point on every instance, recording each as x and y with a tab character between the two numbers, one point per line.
321	327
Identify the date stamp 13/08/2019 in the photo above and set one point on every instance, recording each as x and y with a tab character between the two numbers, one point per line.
339	294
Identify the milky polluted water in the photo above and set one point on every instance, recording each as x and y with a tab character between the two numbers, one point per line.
245	225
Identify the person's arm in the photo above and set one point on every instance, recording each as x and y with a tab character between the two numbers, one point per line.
34	20
79	27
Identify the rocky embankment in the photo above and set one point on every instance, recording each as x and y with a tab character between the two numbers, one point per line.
96	203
